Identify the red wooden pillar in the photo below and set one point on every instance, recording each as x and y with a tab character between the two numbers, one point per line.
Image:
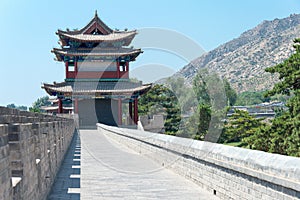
60	106
119	111
75	68
127	67
130	112
127	70
67	69
76	106
136	117
118	69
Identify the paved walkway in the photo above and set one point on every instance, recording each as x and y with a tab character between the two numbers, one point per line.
111	171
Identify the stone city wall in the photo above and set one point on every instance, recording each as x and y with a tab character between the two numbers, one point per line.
228	172
32	147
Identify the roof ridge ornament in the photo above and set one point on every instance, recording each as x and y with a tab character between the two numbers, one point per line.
96	14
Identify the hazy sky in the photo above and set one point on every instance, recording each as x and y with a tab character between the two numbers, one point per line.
28	32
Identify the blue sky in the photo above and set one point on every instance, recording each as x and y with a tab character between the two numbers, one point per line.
28	32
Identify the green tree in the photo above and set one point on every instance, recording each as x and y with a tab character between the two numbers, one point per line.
289	73
240	125
12	105
24	108
36	106
230	93
285	129
161	100
205	124
183	92
251	98
259	139
200	87
204	112
197	125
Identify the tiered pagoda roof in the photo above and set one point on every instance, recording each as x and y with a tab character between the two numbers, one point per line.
97	42
99	38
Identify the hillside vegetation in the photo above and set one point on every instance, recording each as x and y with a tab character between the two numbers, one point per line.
242	61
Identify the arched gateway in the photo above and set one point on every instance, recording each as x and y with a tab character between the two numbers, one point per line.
97	75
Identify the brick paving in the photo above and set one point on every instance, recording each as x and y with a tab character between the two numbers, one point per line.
99	168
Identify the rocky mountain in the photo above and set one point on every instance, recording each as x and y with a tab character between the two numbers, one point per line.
243	60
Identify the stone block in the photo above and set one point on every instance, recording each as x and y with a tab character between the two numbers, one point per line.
3	140
5	119
5	189
16	164
4	177
3	130
14	136
4	164
13	128
15	146
15	155
4	151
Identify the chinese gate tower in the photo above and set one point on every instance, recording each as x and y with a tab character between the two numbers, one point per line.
97	83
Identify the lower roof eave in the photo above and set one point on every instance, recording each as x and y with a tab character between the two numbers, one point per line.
53	91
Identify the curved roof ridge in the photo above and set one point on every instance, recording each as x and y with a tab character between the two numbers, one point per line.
96	21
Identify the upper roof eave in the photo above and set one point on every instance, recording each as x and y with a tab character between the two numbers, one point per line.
115	36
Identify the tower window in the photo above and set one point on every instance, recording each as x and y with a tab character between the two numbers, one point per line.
71	68
122	66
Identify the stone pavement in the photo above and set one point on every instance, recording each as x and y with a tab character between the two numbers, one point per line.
108	170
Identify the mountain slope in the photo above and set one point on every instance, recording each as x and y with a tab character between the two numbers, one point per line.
243	60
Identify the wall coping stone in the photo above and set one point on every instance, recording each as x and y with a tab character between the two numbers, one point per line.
279	169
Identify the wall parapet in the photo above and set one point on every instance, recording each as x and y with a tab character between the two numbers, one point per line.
32	147
228	172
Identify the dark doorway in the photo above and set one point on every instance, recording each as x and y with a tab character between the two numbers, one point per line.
107	111
92	111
